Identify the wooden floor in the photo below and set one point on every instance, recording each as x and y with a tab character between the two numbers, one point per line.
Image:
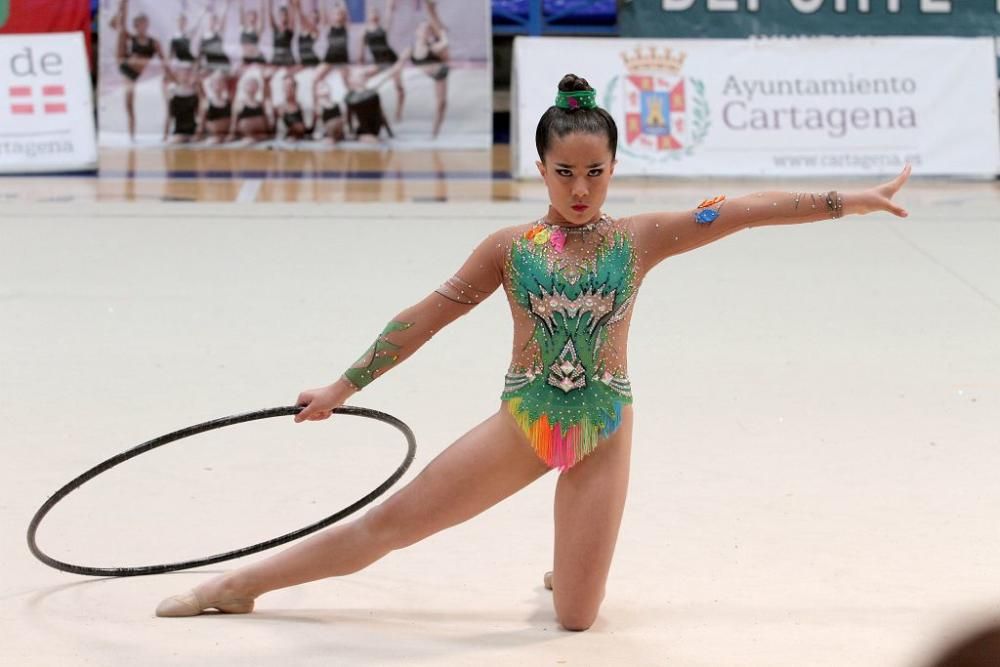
249	175
336	175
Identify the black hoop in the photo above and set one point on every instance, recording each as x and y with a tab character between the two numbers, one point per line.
228	555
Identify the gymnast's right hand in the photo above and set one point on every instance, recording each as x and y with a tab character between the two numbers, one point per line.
319	403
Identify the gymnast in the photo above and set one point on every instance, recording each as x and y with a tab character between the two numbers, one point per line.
376	40
282	36
180	50
571	279
212	48
328	114
290	112
183	101
216	111
133	52
253	112
308	24
251	27
430	54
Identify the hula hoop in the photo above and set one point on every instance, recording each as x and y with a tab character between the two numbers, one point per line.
228	555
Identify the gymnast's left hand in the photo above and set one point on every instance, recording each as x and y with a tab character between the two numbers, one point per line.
879	198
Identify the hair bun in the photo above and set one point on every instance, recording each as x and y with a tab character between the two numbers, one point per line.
572	82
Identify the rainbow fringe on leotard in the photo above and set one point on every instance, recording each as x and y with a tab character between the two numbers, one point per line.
563	446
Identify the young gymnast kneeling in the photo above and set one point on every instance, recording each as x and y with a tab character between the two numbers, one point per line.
571	278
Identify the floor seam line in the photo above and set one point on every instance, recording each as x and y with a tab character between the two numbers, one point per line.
934	260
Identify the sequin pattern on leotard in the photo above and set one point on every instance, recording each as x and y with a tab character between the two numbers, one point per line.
567	390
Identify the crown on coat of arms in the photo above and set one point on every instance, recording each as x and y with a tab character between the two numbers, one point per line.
652	60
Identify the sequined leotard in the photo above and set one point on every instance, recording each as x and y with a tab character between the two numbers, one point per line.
571	292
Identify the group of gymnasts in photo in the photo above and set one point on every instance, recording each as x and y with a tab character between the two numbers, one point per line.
213	97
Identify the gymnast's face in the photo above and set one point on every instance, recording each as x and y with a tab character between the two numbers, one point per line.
356	80
577	170
217	82
251	87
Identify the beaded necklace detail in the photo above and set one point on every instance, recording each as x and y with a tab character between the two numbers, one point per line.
576	229
555	235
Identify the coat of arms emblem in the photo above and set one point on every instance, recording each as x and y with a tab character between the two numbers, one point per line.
666	114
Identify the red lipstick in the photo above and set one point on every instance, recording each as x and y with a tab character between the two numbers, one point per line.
579	208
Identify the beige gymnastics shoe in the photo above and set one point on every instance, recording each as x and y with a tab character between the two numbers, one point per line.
189	604
547	580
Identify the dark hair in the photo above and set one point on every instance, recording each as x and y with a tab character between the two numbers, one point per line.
560	122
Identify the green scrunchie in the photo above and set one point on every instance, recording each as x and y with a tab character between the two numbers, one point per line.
576	99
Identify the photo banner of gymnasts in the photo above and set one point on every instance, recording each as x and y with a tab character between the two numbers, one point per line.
303	74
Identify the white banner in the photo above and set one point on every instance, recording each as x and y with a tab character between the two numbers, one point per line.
46	107
788	107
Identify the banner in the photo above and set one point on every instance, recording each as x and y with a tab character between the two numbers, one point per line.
46	109
750	18
399	73
38	16
793	107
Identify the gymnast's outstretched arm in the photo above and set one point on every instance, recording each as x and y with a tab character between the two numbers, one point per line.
478	277
661	235
225	17
390	11
193	31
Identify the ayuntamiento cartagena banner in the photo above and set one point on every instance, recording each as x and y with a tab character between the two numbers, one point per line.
808	106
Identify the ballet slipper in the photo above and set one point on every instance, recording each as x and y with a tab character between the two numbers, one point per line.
189	604
547	580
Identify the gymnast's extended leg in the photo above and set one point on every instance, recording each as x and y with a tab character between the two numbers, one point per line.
590	498
481	468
